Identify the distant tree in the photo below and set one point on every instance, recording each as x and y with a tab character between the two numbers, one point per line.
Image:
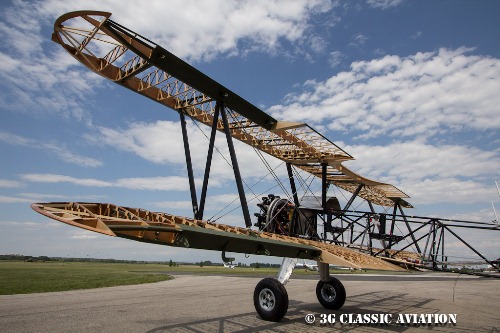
170	263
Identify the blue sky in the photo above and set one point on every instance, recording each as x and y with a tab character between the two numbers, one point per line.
409	88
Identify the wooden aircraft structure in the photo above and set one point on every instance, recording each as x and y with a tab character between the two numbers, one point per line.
133	61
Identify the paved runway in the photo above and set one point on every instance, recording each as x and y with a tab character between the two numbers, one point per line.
224	304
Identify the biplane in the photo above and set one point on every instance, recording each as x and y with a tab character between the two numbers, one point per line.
285	227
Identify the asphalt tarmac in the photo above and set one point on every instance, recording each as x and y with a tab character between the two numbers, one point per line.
224	304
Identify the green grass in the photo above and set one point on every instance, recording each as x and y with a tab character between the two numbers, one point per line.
221	270
36	277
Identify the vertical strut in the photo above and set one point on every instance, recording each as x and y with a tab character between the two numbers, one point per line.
392	225
324	184
368	227
292	184
293	223
189	164
443	264
199	216
433	246
234	162
428	239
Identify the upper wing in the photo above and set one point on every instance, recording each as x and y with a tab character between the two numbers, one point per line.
165	229
137	63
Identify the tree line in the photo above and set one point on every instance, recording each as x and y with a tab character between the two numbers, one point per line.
170	263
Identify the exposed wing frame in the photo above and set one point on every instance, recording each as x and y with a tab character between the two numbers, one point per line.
137	63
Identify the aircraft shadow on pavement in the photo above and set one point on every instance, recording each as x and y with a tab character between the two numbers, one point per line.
374	302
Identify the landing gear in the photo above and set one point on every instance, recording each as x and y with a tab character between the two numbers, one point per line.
331	294
270	299
330	291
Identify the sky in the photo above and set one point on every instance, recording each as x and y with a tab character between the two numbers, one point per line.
410	89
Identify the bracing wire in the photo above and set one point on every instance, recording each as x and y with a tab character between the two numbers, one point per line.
232	210
256	196
222	155
250	188
262	158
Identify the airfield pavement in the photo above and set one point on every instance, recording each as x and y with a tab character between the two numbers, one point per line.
224	304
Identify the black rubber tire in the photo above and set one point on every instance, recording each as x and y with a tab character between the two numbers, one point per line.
331	294
270	299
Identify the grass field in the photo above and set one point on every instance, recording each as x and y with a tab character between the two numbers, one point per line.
19	277
35	277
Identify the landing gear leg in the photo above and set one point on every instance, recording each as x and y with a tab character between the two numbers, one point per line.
270	297
330	291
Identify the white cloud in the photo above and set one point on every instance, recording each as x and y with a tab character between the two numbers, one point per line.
203	29
172	183
358	40
336	58
5	183
51	148
40	197
19	223
70	157
167	205
223	208
161	142
9	199
483	215
41	79
83	235
53	178
421	95
448	190
416	35
430	173
37	81
217	201
384	4
418	160
14	139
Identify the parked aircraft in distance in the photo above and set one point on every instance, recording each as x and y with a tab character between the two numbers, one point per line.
307	266
230	266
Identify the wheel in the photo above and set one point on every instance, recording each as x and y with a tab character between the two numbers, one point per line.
270	299
331	294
